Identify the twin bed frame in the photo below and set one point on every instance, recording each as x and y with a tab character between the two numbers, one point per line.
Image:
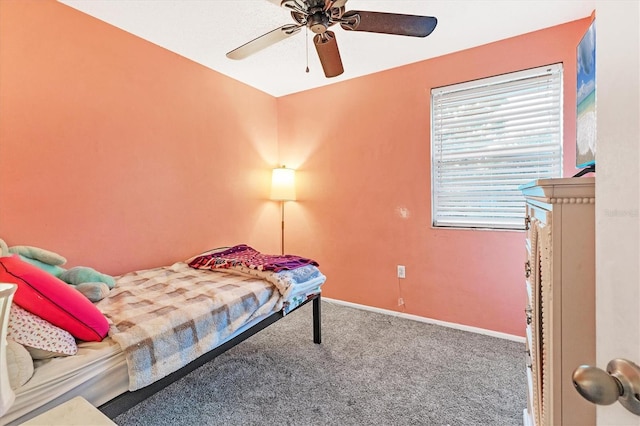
129	399
144	356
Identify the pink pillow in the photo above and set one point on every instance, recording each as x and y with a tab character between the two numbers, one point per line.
53	300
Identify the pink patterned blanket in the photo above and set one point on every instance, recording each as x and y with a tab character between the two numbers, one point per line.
246	256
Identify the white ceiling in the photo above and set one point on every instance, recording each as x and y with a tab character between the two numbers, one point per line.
205	30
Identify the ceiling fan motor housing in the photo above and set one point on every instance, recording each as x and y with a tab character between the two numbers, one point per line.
318	21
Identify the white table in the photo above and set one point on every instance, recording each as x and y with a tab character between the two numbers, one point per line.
75	412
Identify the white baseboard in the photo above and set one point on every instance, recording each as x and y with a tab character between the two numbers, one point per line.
428	320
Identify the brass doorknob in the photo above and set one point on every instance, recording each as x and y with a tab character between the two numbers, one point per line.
621	382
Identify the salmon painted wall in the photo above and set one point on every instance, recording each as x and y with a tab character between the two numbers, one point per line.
363	154
120	154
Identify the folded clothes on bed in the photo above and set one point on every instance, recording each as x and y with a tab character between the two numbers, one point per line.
244	255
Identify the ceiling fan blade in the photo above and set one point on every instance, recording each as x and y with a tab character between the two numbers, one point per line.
329	55
328	4
264	41
388	23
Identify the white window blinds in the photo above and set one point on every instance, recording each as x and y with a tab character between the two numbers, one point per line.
488	137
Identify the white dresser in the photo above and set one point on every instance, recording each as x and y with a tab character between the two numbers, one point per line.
560	312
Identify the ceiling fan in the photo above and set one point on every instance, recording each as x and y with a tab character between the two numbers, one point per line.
319	15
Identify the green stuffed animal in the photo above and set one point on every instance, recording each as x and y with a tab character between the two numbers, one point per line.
92	284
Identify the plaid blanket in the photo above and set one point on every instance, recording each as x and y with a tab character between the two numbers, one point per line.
164	318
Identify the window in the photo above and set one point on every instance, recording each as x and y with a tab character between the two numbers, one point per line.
488	137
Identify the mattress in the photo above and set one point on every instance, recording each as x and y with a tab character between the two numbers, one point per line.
99	371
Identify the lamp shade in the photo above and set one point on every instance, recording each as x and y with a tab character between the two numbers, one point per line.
283	184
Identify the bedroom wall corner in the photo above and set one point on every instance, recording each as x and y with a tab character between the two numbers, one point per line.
365	188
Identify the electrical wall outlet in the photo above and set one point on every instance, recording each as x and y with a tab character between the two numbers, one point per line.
401	271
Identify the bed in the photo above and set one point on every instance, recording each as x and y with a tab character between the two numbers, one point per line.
164	323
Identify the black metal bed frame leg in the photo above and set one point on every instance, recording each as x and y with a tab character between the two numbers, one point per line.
317	338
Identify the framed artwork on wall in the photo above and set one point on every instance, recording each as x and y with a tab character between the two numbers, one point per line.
586	99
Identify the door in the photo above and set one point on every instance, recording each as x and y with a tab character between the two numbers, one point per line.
617	191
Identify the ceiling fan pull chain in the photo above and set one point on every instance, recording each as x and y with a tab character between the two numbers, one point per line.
307	49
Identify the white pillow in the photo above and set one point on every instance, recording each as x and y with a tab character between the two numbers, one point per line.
41	338
19	363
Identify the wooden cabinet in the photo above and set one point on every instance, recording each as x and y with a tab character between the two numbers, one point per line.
560	278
